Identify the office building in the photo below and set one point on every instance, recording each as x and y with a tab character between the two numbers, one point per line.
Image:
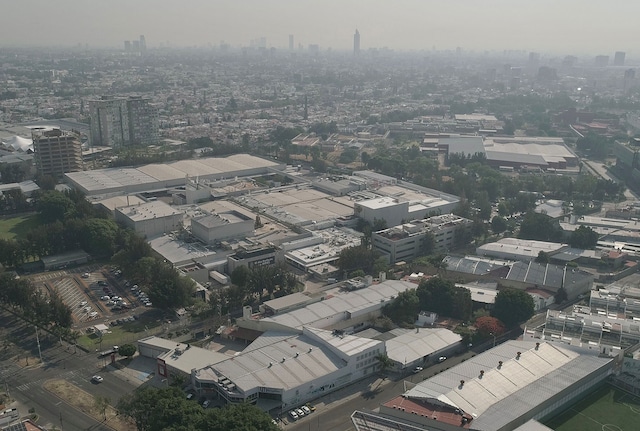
356	43
150	218
290	42
143	43
118	122
127	45
618	58
407	241
56	151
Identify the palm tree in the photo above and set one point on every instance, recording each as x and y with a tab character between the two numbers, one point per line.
384	361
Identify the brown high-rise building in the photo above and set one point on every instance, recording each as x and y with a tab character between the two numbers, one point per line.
56	152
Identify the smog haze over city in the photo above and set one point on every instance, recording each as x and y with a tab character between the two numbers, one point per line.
566	27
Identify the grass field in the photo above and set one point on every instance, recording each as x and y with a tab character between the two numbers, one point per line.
607	409
17	226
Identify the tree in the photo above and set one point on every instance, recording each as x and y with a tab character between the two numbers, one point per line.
240	276
168	409
513	306
498	224
404	308
543	257
583	237
540	227
488	325
102	403
158	409
127	350
384	361
54	205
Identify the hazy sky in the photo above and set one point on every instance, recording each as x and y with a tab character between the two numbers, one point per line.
559	26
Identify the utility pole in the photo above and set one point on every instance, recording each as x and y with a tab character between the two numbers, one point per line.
39	350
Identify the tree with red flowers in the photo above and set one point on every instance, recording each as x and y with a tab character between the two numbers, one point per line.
488	325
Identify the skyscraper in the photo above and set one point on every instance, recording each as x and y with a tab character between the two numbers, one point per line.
290	42
356	43
127	45
618	58
143	43
120	122
56	152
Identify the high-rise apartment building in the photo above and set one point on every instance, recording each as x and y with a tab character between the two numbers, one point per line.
602	60
143	43
56	152
127	45
356	43
618	58
120	122
143	121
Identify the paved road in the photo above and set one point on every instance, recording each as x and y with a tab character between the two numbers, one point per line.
334	410
59	362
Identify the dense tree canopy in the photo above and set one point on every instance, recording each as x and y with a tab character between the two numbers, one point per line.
540	227
513	306
167	409
435	294
583	237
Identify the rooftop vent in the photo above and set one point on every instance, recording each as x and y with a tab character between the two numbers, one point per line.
284	359
537	346
499	364
461	383
310	349
270	364
297	354
481	373
518	355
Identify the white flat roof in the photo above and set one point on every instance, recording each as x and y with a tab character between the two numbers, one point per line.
414	345
314	314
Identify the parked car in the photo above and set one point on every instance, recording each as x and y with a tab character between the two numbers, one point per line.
97	379
300	412
206	404
86	275
442	358
306	410
416	370
105	298
293	415
190	396
103	283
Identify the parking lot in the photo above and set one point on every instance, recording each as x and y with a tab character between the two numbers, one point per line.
95	294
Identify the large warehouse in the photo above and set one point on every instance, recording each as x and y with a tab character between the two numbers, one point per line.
279	370
499	390
515	152
162	176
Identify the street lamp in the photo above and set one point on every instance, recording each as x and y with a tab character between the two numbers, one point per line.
494	338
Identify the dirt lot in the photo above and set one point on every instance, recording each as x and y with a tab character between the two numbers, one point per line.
85	402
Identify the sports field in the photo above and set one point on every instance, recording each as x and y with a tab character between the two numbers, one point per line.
11	227
607	409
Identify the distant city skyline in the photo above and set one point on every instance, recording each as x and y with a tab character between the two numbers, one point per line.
568	27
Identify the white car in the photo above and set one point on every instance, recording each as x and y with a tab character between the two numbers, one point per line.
300	412
206	404
293	415
86	275
97	379
306	410
105	298
416	370
442	358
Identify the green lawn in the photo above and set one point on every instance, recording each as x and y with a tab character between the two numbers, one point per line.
17	226
606	409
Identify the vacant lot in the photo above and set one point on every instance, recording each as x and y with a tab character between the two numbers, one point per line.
606	409
17	226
